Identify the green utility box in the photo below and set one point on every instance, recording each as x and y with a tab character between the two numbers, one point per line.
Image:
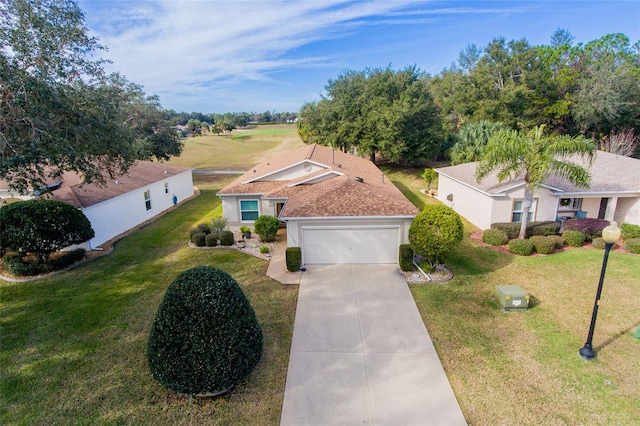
512	298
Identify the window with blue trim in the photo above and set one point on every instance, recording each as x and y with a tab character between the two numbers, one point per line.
249	210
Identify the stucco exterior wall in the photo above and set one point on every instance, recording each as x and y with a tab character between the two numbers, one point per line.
117	215
231	209
628	210
473	205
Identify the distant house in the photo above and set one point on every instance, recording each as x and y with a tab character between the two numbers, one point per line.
614	194
338	208
123	203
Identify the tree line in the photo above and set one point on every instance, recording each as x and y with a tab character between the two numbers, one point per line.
590	90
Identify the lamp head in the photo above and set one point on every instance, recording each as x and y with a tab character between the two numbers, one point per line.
611	233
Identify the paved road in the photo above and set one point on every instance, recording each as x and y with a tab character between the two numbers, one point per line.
361	354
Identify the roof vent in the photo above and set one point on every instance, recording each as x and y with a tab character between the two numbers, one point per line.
117	182
339	165
165	172
359	179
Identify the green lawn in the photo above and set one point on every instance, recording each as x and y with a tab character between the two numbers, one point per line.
244	149
74	346
524	368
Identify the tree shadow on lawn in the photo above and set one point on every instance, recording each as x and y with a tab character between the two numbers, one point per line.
411	196
471	259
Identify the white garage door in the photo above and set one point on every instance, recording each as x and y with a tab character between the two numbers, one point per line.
350	244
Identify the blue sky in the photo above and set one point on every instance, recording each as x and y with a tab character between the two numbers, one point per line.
230	56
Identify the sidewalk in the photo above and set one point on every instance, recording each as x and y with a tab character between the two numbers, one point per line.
277	265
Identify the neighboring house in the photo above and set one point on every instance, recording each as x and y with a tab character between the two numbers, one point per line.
614	194
124	202
338	208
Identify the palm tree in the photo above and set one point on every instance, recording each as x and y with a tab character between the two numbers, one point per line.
536	157
472	140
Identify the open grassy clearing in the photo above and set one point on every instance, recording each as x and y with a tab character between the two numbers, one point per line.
74	346
244	149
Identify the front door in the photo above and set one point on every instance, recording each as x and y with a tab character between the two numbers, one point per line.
603	208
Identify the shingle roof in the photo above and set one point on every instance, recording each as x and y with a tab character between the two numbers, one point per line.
610	173
338	196
139	175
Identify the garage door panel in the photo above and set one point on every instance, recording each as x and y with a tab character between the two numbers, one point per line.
350	245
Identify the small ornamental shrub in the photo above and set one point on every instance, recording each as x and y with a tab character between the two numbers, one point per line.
293	258
543	228
267	227
533	228
42	227
211	240
521	247
198	239
193	231
543	244
218	224
495	237
573	238
434	232
65	258
558	240
632	245
600	244
405	257
226	238
245	229
264	249
205	337
20	266
591	228
203	227
630	231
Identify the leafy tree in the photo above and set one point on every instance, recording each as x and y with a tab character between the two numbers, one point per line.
43	227
205	337
435	232
429	176
58	109
376	111
535	157
472	140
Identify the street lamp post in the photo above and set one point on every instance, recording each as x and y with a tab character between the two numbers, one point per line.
610	235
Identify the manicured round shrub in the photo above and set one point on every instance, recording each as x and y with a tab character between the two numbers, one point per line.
543	228
511	228
198	239
543	244
600	244
203	227
264	249
293	258
42	227
558	240
205	337
521	247
226	238
630	231
573	238
211	240
591	228
435	231
632	245
495	237
193	231
267	227
405	257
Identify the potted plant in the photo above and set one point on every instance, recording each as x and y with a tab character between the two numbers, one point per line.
241	243
246	231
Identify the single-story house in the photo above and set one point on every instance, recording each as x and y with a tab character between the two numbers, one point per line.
122	203
337	207
614	194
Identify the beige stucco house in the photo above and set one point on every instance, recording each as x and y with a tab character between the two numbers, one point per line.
337	207
614	194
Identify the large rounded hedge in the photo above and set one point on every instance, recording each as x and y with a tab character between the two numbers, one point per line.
205	338
435	231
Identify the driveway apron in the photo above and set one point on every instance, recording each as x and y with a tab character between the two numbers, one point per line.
361	354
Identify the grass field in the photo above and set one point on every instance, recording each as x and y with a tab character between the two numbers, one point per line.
73	346
244	149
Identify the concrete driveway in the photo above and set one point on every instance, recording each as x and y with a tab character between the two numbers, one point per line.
361	354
